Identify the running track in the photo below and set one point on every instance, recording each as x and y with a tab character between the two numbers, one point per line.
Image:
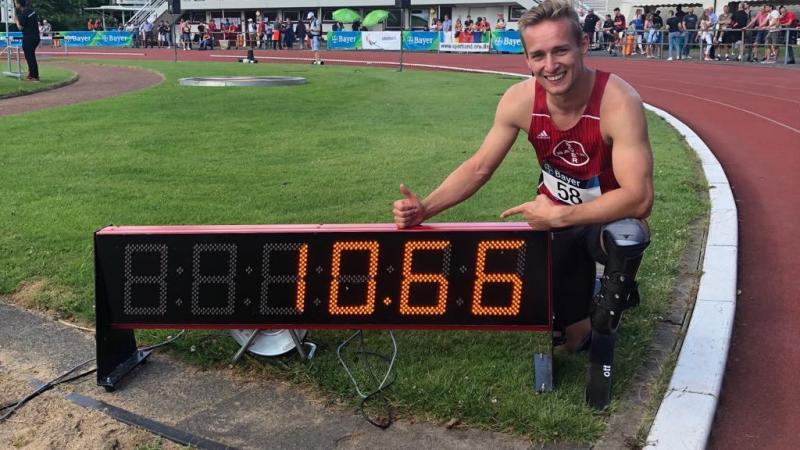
750	118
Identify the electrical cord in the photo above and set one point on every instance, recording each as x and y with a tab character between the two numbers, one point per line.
65	378
387	420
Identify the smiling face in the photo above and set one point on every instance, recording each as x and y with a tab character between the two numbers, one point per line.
554	55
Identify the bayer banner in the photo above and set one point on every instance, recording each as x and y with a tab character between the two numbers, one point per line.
507	42
420	41
477	47
14	42
380	40
98	38
344	40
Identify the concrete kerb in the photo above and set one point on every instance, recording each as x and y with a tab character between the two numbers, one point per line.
686	414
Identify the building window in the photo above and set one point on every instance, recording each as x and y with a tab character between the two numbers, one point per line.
516	12
419	19
294	16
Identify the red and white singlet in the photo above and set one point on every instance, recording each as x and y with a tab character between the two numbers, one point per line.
576	163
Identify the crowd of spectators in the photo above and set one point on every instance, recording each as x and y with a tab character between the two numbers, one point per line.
739	35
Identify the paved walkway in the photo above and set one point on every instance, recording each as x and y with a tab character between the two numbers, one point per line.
95	82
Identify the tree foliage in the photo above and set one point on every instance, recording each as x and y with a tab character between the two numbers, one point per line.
66	14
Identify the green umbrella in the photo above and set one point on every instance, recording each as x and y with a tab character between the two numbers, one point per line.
375	17
346	15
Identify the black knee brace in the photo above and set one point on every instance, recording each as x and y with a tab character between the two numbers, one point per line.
624	242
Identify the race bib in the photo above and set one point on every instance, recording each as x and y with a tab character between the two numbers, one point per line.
568	189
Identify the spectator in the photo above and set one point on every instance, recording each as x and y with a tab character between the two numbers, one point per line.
46	29
261	29
146	31
675	29
788	20
589	24
163	31
619	25
609	34
276	34
690	27
705	36
90	24
638	28
300	31
186	34
468	22
500	25
774	34
658	26
739	21
288	35
649	35
679	13
759	25
98	25
724	38
315	27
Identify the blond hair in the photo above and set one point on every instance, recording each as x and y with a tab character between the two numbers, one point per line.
551	10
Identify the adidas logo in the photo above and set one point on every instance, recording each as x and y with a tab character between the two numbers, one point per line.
543	135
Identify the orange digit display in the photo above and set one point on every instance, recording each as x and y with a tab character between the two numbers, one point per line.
438	278
356	246
482	277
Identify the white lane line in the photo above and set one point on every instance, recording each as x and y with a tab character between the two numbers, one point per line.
781	124
90	53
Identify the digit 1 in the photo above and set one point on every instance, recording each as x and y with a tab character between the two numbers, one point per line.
482	277
438	278
228	278
131	279
339	247
299	279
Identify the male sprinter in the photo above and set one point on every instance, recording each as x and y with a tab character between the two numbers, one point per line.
590	135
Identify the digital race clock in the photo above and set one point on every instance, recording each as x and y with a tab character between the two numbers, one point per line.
478	276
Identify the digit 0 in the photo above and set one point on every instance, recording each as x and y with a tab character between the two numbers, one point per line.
299	280
481	278
358	246
438	278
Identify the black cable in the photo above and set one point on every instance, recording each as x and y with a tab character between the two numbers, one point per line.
63	378
380	422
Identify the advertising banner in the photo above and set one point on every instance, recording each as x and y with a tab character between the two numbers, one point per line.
14	42
98	38
380	40
344	40
507	42
420	41
464	48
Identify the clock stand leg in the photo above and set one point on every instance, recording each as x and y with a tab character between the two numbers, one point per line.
117	355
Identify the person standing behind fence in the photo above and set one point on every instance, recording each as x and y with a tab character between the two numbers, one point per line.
759	24
705	36
788	20
675	29
609	35
723	38
774	35
300	31
589	24
289	35
690	32
28	22
186	35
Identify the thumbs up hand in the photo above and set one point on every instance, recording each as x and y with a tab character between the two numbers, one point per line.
408	211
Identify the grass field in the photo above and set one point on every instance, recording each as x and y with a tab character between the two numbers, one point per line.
332	151
49	76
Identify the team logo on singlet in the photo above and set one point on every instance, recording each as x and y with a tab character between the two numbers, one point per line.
571	152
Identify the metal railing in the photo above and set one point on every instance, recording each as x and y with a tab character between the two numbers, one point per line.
743	45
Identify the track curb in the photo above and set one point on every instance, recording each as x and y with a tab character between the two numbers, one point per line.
686	414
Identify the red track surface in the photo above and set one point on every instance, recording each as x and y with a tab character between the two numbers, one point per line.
750	118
